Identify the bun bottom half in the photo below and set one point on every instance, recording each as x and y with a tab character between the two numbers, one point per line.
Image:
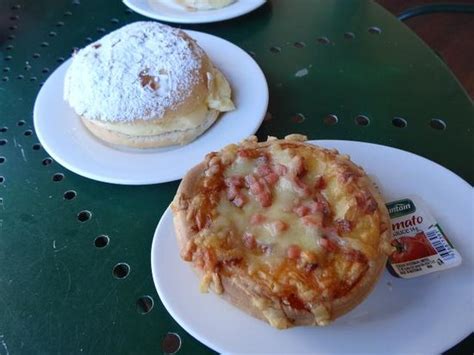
176	137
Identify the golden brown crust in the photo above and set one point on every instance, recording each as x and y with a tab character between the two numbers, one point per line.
245	292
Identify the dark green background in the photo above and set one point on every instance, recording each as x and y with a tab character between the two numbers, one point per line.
57	290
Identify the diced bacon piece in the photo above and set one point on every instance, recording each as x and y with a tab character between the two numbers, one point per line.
265	199
343	225
366	202
248	153
280	169
237	181
293	251
306	208
280	226
313	220
328	244
257	218
263	158
348	175
234	184
297	167
249	240
355	256
323	204
253	185
266	248
276	227
301	210
264	169
232	192
300	187
319	183
259	188
271	178
239	200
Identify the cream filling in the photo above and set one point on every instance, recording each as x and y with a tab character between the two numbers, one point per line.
219	98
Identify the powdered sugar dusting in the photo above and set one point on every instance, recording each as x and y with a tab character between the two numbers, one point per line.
137	71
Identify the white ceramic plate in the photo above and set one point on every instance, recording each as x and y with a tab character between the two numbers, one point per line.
169	10
65	138
428	314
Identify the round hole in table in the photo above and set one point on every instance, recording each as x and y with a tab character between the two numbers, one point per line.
84	216
323	40
330	120
275	49
298	118
57	177
349	35
3	129
47	161
3	160
374	30
70	195
362	120
101	241
399	122
145	304
121	270
171	343
438	124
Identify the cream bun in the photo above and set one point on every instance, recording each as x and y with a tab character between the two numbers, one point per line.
146	85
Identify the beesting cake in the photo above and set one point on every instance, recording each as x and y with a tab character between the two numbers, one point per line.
291	233
146	85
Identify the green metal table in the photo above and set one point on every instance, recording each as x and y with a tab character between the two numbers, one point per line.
74	256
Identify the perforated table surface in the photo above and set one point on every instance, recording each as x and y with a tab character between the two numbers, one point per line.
75	270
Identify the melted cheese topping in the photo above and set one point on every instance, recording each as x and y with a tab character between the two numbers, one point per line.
291	217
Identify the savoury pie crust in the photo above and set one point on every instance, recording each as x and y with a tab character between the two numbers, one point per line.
291	233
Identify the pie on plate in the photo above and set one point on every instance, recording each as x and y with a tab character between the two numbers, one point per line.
289	232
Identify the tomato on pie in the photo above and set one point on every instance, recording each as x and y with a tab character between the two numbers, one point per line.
289	232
